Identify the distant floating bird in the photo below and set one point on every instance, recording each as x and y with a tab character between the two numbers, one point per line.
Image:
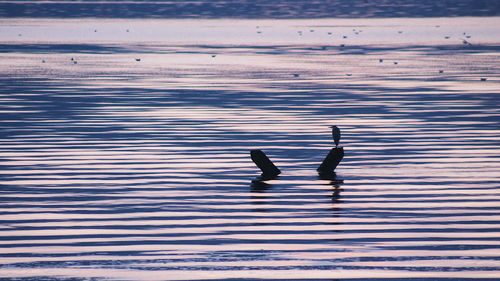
213	56
395	62
441	71
342	45
296	75
329	33
400	32
349	74
483	79
43	61
447	37
335	135
128	30
95	30
137	59
344	36
75	62
72	59
380	60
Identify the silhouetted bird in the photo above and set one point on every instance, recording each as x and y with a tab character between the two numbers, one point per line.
335	135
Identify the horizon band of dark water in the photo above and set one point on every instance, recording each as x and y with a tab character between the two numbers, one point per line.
241	9
125	149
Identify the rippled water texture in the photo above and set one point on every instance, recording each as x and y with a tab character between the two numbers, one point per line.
125	149
247	8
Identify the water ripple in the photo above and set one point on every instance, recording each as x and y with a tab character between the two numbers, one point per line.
125	170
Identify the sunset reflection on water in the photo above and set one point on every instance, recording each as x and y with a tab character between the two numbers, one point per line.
121	169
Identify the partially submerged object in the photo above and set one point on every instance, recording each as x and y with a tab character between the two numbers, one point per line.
267	167
331	161
327	167
269	170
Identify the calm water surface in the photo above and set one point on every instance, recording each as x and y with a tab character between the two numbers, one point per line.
125	149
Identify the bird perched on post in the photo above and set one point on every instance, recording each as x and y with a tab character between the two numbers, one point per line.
335	135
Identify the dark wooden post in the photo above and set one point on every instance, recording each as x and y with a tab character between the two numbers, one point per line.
331	161
265	165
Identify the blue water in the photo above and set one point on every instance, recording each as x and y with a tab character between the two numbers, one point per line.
244	9
133	163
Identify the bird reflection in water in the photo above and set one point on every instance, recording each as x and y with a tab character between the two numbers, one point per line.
335	183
